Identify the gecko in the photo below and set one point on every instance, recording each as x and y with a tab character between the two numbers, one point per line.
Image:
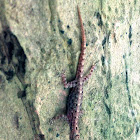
75	97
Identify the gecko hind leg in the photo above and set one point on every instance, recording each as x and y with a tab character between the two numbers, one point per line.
68	84
58	117
86	78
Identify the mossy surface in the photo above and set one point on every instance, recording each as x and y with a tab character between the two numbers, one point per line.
49	34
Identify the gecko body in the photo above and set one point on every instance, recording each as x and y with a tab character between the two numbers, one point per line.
75	97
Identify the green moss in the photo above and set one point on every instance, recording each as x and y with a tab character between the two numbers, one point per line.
116	10
109	8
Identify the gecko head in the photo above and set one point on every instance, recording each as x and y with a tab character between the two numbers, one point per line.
77	137
74	135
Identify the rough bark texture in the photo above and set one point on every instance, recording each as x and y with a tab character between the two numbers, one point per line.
40	38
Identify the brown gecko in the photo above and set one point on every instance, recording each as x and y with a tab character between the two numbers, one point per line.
74	101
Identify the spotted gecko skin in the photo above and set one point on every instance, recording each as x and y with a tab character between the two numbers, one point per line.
74	100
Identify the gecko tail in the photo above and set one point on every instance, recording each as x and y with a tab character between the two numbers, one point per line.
82	29
83	48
